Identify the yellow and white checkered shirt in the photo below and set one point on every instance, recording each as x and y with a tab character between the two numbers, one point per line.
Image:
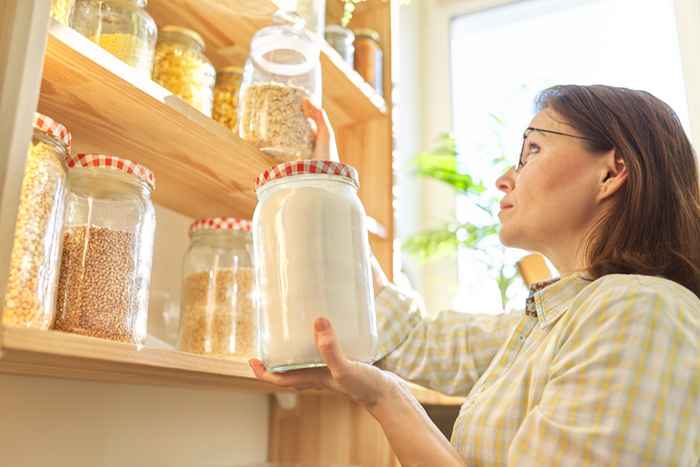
599	373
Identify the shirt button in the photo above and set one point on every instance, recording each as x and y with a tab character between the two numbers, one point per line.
521	337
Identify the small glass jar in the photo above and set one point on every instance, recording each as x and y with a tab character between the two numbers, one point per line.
33	272
218	314
228	84
107	249
313	12
281	72
182	68
62	11
312	259
341	39
369	58
121	27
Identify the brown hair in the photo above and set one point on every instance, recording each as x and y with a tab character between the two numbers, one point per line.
653	225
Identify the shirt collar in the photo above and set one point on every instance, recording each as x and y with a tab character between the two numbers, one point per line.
550	299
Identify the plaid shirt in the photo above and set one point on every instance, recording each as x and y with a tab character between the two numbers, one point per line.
595	373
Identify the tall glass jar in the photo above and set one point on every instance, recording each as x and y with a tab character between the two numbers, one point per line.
62	11
312	259
280	73
369	58
33	273
183	69
228	84
313	12
121	27
218	314
107	249
342	39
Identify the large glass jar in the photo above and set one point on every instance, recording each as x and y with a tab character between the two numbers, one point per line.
228	84
121	27
313	12
183	69
342	39
218	314
33	273
107	249
369	58
280	73
62	11
312	259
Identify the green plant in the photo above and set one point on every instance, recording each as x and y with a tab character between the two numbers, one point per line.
442	163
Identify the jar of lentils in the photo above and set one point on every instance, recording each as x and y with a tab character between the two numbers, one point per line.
121	27
31	286
107	249
183	69
228	83
218	314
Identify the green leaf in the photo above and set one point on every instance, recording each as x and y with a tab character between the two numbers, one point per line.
444	241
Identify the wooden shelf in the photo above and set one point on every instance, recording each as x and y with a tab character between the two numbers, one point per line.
228	27
202	169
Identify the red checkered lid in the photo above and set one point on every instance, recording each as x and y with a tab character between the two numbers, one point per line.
108	162
308	167
221	223
52	128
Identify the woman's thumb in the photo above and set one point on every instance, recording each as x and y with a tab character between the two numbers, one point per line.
328	346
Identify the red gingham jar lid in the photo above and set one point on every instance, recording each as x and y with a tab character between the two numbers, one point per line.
308	167
108	162
52	128
221	223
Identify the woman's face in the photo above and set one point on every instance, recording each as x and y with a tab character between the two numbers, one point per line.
552	201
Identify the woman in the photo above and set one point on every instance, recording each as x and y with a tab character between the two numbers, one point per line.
603	368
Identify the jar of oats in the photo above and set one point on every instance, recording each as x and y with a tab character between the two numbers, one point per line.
31	285
218	314
107	249
312	260
281	72
62	11
183	69
121	27
228	84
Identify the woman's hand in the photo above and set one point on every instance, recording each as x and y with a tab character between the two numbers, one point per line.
325	148
363	383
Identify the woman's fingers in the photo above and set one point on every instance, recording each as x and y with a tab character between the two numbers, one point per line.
329	348
325	142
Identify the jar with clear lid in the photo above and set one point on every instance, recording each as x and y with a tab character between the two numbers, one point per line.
218	314
369	58
342	39
311	260
182	68
281	72
35	257
228	84
107	249
122	27
62	11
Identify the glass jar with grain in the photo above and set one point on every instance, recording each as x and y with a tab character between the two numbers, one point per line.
107	249
228	84
121	27
218	313
369	58
182	68
33	272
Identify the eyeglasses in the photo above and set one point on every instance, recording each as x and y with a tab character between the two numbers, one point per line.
526	133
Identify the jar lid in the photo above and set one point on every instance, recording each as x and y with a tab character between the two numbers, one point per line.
366	32
308	167
185	31
52	128
221	223
108	162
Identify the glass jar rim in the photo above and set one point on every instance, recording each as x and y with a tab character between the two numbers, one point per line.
96	163
189	33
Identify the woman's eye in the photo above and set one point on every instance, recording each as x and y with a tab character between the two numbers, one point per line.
533	148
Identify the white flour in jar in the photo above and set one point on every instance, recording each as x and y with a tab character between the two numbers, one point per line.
312	251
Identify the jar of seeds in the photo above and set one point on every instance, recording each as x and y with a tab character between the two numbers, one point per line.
31	285
121	27
107	249
218	314
228	83
183	69
280	73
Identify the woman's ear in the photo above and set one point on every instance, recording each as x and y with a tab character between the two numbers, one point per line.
613	175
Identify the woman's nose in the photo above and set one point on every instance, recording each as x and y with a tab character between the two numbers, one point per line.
506	182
